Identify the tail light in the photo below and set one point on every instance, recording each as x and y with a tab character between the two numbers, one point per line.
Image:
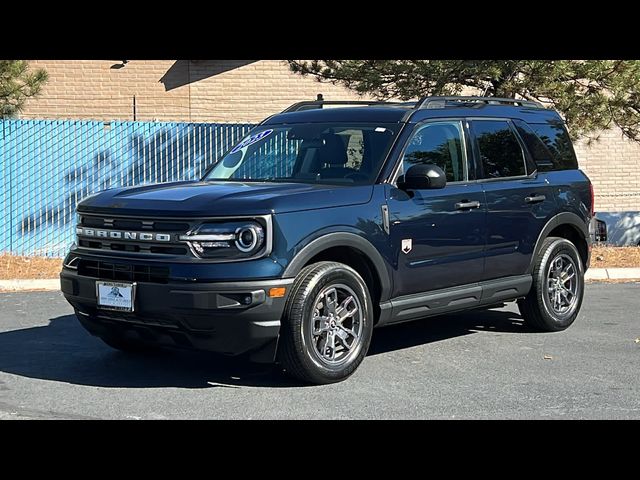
593	200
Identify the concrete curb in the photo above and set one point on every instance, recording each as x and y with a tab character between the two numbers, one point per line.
29	285
594	274
612	274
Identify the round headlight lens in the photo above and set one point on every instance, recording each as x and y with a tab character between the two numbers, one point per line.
249	237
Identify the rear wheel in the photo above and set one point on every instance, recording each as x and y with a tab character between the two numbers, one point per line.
327	324
558	287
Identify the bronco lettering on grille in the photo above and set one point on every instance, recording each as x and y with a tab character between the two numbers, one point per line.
143	236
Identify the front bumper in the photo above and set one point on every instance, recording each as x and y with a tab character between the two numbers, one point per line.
225	317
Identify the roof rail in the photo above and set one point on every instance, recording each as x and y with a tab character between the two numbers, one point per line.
441	102
425	102
309	105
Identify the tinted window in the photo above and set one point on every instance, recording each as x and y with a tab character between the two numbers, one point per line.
538	152
440	144
555	137
500	151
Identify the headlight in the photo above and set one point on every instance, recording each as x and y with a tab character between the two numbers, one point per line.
230	240
249	237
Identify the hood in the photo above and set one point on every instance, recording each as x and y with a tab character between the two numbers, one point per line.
199	199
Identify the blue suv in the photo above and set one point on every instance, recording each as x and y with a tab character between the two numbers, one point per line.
333	218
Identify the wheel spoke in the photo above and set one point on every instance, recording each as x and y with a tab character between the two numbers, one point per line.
347	331
329	347
343	311
331	300
343	335
557	265
320	325
567	268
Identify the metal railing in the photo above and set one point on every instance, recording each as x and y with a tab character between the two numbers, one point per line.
48	166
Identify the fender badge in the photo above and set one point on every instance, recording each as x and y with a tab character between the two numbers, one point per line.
407	245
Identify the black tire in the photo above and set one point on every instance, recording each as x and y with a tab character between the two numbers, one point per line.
537	307
298	352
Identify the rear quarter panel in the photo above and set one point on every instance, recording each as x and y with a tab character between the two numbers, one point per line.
572	192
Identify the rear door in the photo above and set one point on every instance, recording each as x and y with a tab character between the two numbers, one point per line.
519	200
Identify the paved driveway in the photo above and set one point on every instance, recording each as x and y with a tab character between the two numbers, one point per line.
482	364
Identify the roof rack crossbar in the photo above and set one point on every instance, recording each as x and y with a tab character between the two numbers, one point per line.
441	102
308	105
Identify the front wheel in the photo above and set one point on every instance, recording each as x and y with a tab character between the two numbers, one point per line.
558	287
327	324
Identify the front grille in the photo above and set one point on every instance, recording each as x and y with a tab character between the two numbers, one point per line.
172	227
122	271
133	247
133	224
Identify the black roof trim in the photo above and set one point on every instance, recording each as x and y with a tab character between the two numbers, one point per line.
310	105
451	101
425	102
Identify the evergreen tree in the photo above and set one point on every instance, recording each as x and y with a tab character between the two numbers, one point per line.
591	95
17	83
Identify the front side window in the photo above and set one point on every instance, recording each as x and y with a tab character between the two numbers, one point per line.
309	153
438	143
500	151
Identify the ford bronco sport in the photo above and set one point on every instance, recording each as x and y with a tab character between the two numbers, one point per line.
333	218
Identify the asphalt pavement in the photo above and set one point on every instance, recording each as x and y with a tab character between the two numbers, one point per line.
477	365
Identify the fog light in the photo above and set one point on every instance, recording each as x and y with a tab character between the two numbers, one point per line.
277	292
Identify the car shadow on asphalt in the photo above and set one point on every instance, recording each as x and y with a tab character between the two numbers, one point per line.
63	351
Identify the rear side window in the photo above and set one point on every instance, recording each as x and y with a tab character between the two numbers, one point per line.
539	152
555	138
500	151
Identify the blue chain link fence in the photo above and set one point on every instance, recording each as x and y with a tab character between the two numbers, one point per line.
48	166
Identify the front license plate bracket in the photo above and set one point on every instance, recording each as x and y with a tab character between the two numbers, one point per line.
118	296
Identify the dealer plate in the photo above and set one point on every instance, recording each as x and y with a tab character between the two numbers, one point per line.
116	295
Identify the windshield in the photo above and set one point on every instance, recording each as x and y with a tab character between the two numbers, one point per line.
310	153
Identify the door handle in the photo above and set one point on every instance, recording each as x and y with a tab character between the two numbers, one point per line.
535	199
464	205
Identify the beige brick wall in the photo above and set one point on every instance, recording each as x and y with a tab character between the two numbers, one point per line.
613	165
91	89
170	90
249	91
253	91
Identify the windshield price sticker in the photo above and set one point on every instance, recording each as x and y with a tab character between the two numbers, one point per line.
251	140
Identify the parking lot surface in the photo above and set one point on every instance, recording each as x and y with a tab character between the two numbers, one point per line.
480	364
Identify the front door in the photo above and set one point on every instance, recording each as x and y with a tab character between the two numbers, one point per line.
437	235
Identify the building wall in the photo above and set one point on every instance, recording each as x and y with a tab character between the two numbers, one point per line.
249	91
173	90
613	165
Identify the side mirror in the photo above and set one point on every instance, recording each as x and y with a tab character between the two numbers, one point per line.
421	177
